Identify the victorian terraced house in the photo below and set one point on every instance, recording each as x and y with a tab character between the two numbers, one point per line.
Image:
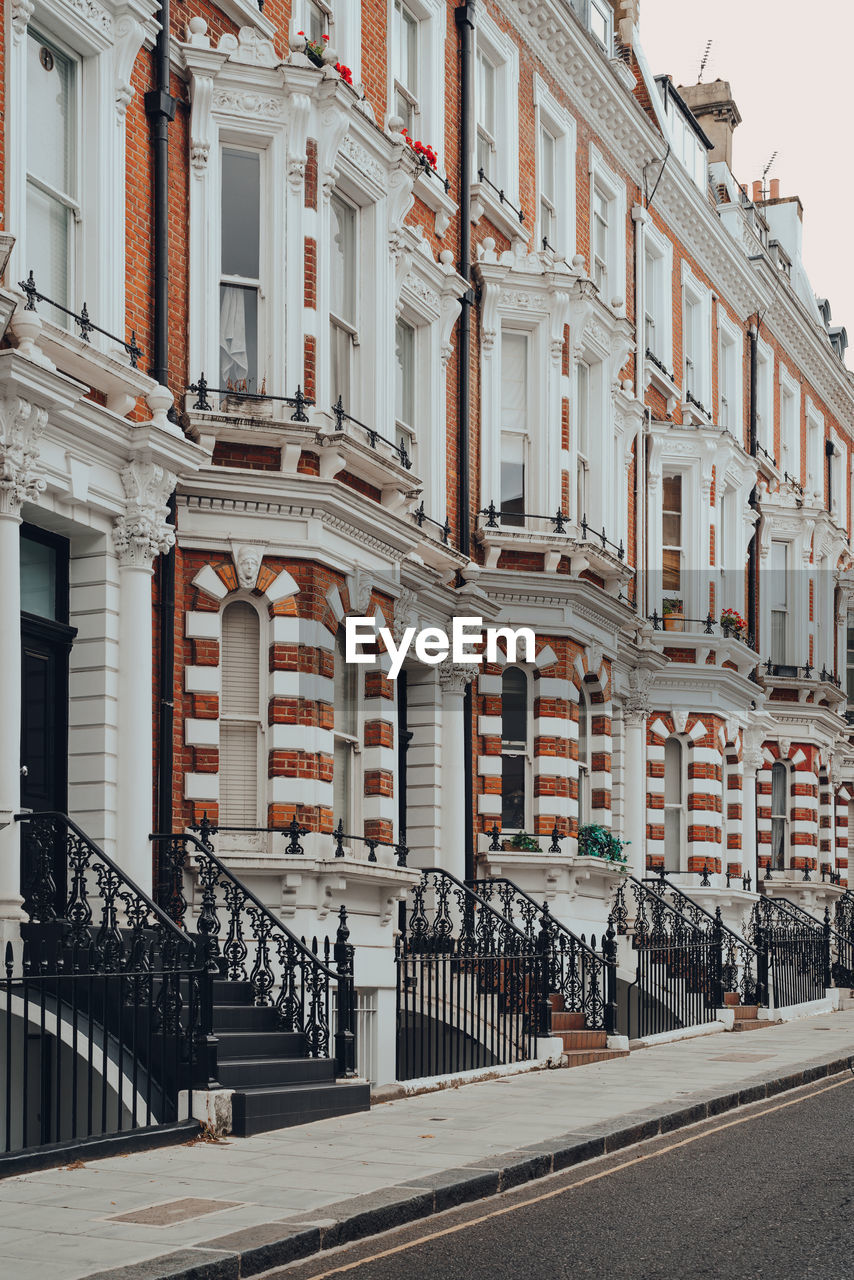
414	312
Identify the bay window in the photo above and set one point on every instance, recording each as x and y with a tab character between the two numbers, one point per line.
672	543
515	750
779	814
53	167
343	301
515	442
405	60
240	269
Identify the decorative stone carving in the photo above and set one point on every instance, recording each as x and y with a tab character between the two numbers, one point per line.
450	305
247	557
455	676
249	47
142	532
405	614
22	11
360	585
333	137
243	103
129	36
21	425
201	90
636	704
299	108
400	200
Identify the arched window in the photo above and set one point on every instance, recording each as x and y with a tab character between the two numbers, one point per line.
779	815
583	758
515	750
240	716
346	738
728	773
674	797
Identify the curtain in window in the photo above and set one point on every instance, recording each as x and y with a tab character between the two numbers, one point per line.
234	358
240	721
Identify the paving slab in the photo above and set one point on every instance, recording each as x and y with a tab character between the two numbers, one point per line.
247	1204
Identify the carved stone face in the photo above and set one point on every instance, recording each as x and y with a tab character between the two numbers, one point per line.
247	562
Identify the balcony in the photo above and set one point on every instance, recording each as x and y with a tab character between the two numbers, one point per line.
554	537
805	684
703	642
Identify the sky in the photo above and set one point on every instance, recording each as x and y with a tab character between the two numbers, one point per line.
793	83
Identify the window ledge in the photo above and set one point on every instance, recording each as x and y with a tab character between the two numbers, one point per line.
485	203
246	12
431	191
699	416
663	382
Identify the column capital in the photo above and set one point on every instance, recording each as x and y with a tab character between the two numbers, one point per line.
455	676
142	532
21	480
636	703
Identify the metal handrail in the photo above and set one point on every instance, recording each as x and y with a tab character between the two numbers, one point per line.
809	671
372	843
201	387
293	830
793	909
341	414
81	319
499	191
543	912
420	516
695	908
495	518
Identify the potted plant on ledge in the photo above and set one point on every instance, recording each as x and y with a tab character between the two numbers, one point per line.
520	840
732	624
674	618
596	841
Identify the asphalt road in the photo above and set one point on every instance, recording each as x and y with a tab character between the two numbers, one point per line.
763	1192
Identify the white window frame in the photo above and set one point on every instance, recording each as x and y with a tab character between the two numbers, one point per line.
501	51
231	839
264	372
429	124
658	293
839	475
511	747
344	28
350	329
400	11
697	295
679	807
585	765
612	189
352	742
765	397
781	818
525	436
584	10
730	376
551	116
684	546
409	430
784	599
815	459
789	458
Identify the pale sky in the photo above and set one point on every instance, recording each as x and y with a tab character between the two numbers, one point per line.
791	73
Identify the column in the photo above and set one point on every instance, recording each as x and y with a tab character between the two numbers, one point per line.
140	534
636	710
451	853
752	760
21	424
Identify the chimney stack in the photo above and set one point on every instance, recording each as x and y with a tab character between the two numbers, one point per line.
757	191
775	188
713	106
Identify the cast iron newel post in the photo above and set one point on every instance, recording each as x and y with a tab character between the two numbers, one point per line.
345	1034
544	946
761	938
609	951
826	949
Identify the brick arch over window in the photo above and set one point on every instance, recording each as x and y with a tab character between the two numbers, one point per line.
703	799
216	584
803	798
591	679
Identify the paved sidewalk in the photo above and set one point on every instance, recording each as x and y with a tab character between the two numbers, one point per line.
404	1159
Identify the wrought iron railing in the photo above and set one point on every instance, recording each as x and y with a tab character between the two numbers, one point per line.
201	388
371	843
785	671
81	318
843	919
420	516
585	978
497	518
740	962
243	941
760	448
374	437
794	484
499	191
659	364
472	989
797	947
90	1053
679	981
698	404
673	621
205	830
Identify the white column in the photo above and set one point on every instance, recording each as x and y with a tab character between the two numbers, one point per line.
752	760
140	535
451	854
636	709
21	424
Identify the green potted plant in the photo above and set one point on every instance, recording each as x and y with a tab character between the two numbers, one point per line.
596	841
521	840
674	618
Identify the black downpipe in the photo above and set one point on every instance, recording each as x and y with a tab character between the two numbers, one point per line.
753	548
463	16
160	109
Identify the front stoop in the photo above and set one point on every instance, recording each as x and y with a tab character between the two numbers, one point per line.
746	1018
580	1046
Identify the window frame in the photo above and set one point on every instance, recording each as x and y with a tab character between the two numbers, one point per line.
560	125
730	376
341	326
781	768
403	429
678	806
585	764
241	598
815	457
246	282
658	294
605	183
520	748
790	425
779	605
698	297
410	94
502	53
667	592
765	397
510	518
351	742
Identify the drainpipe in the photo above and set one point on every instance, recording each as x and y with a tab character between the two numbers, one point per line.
464	18
160	109
753	549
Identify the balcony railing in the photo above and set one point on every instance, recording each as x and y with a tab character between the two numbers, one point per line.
708	625
795	484
499	191
760	448
294	848
341	416
421	518
659	364
201	388
371	843
560	523
85	325
784	671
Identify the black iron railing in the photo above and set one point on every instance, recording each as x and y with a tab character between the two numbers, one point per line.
745	877
740	962
584	978
698	404
673	621
785	671
760	448
797	947
843	919
421	518
497	518
81	318
499	191
243	941
206	829
201	388
795	484
659	364
343	840
679	981
472	989
374	436
432	173
91	1053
